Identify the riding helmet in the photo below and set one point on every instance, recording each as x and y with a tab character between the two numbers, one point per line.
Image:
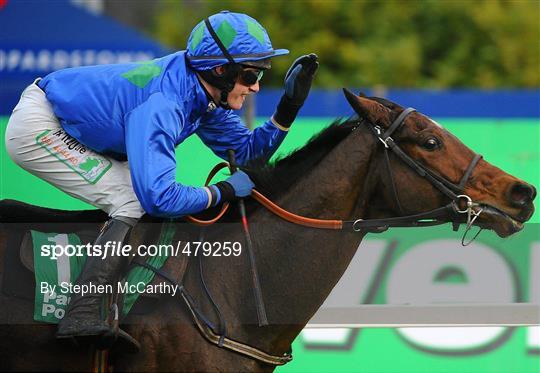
233	40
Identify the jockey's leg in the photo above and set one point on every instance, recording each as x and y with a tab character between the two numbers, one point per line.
83	316
36	141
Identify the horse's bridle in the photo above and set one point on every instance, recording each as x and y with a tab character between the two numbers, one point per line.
460	202
451	190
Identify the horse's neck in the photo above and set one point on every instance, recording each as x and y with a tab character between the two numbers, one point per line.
337	187
302	265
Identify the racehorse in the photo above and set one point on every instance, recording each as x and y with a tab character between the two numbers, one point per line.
386	166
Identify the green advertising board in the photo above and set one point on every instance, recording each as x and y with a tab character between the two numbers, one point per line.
409	266
421	266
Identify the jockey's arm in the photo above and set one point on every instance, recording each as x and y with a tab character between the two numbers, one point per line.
152	130
223	130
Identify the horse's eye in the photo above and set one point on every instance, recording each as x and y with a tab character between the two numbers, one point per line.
431	144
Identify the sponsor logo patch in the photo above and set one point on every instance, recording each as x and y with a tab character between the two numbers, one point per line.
90	165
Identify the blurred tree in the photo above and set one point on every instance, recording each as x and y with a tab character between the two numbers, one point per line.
394	43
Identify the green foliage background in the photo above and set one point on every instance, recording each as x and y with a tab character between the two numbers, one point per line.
393	43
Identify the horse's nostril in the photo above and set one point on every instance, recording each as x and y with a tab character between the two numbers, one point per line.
522	193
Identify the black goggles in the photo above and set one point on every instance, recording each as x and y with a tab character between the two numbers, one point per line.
250	77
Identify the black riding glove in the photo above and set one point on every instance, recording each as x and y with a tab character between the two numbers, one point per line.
297	85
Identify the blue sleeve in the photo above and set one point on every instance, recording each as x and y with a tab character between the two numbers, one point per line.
151	132
224	130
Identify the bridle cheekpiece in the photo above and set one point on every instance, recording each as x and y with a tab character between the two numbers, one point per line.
455	209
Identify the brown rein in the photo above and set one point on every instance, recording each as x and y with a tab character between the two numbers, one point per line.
282	213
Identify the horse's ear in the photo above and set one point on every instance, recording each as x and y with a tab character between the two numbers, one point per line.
366	108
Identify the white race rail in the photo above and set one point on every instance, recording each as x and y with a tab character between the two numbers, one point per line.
429	315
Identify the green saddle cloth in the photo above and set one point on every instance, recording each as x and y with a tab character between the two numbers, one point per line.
54	276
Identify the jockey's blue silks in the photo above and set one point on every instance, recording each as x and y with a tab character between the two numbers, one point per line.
143	111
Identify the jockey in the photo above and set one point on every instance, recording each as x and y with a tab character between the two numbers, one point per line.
107	135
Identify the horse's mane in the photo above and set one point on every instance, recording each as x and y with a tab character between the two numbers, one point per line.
272	178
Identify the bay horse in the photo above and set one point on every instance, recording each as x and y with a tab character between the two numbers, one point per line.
351	170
